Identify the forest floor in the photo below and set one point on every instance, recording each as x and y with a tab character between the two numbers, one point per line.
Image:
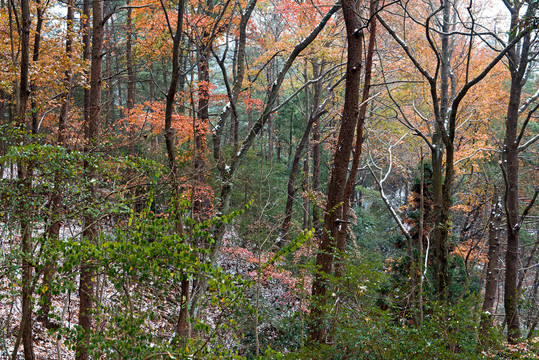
277	290
280	292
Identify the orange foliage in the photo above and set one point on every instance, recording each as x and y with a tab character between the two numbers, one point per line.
469	250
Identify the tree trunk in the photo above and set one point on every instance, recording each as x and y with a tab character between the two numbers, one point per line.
35	59
3	100
339	170
518	64
420	236
131	92
131	71
171	94
90	231
316	176
111	108
442	186
491	285
305	187
86	53
291	190
182	326
512	211
535	315
53	230
351	181
118	68
23	174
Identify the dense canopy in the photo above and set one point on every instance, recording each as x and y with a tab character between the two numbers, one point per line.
269	179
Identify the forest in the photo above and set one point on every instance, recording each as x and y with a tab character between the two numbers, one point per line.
269	179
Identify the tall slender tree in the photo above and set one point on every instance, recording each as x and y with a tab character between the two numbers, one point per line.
333	218
519	62
92	132
53	231
182	325
25	330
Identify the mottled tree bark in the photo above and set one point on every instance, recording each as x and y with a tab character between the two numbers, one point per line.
439	184
511	165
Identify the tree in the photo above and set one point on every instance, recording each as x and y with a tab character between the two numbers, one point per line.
447	93
519	63
25	330
314	114
92	132
53	231
229	171
491	283
334	218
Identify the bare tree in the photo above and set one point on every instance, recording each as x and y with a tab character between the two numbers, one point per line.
182	325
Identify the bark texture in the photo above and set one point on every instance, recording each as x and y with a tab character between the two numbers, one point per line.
518	62
23	175
339	170
491	284
92	129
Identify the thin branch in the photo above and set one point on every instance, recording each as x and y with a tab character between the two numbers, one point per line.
473	154
406	123
528	102
469	56
524	125
392	211
406	49
456	101
527	210
312	81
168	20
528	143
